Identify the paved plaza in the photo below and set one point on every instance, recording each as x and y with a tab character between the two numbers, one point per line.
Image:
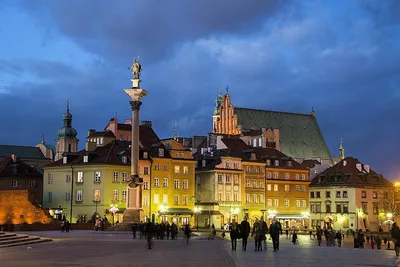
89	248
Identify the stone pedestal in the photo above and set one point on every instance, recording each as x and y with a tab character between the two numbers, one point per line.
133	215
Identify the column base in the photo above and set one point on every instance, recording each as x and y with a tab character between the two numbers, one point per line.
133	216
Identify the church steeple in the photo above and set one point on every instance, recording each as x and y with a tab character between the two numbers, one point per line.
341	149
176	135
66	141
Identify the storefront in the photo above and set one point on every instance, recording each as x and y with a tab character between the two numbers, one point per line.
180	216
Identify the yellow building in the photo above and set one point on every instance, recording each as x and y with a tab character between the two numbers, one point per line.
173	183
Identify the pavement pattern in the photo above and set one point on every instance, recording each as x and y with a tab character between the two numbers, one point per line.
116	249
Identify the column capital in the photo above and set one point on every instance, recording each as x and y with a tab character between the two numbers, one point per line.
135	104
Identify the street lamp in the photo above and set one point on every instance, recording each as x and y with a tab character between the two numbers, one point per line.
197	211
234	212
113	210
163	210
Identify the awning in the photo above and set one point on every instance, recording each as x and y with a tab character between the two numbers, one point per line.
211	212
177	211
289	216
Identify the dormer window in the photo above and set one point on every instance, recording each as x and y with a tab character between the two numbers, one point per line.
203	163
85	159
145	155
65	160
268	162
161	152
289	163
276	163
253	156
124	159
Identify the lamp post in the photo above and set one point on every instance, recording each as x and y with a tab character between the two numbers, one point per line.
163	210
113	210
197	211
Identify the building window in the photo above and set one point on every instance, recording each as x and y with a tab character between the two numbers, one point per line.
228	178
115	177
375	208
289	163
269	175
318	194
276	188
145	201
338	195
184	200
124	194
328	207
157	166
145	155
115	195
304	204
156	199
165	182
50	178
286	176
97	177
374	195
276	163
86	159
248	169
268	162
269	202
146	170
286	203
328	194
338	208
67	196
248	198
176	200
185	169
79	195
248	183
364	207
269	186
146	185
124	176
344	194
297	203
262	198
96	195
255	185
261	184
124	159
227	164
68	178
165	167
185	184
32	183
303	177
287	188
303	188
165	198
345	208
156	182
235	196
49	197
296	176
235	179
228	196
236	165
176	184
219	196
276	202
276	175
311	194
80	177
203	163
219	178
297	188
65	160
177	169
161	152
255	198
363	194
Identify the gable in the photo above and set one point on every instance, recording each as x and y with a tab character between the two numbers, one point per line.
299	134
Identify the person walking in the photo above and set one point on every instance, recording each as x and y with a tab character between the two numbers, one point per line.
265	231
134	229
149	233
339	237
234	233
319	235
188	232
244	232
257	233
275	230
294	237
395	233
213	232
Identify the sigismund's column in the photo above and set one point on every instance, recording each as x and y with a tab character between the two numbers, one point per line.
134	211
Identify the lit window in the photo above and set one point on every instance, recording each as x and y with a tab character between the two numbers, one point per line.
145	200
85	159
80	177
269	187
165	182
156	199
185	184
185	169
65	160
184	200
262	199
276	175
177	169
161	152
304	204
115	195
96	195
145	155
276	187
287	188
303	177
156	182
248	198
176	184
286	203
286	176
124	195
124	159
297	203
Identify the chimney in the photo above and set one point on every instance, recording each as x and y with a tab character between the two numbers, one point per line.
14	157
90	146
128	121
359	167
146	124
90	132
366	168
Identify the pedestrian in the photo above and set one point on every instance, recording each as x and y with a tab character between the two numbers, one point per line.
67	226
378	241
294	237
168	229
372	242
257	233
361	239
213	232
274	230
134	229
244	232
188	232
395	233
319	235
149	233
265	231
339	237
234	233
62	226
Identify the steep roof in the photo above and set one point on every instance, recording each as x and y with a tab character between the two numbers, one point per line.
9	168
299	134
235	143
107	133
23	152
346	173
310	163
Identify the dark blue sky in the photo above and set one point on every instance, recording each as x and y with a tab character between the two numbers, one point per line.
340	57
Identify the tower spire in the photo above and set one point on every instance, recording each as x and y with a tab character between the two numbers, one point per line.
176	135
67	105
341	149
43	142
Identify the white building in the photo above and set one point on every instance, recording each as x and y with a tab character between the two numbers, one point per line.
348	195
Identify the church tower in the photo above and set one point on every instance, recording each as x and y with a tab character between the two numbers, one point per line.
216	114
341	150
66	141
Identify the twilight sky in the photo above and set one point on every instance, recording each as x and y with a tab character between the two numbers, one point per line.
341	57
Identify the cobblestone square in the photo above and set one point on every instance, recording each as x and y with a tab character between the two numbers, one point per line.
87	248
